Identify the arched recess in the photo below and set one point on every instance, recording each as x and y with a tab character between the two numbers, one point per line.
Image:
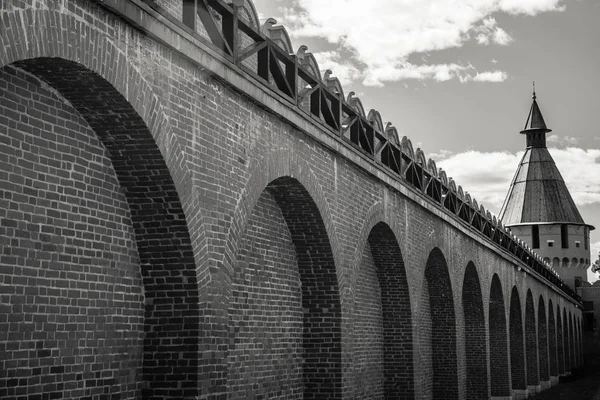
543	341
71	185
560	342
552	345
284	311
475	335
572	340
383	327
531	351
580	327
517	344
500	383
438	330
567	342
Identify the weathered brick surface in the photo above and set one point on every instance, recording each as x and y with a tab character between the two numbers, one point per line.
552	341
265	329
567	342
543	341
517	343
195	163
395	318
560	346
475	338
531	351
443	327
71	282
498	341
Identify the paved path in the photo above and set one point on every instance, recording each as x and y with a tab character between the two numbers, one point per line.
583	385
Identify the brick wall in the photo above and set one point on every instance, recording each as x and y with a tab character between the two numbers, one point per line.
396	315
517	344
533	377
71	283
552	344
567	342
368	331
192	156
560	342
543	341
498	341
265	329
443	327
475	338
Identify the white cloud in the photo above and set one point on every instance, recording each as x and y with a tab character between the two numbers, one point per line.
383	34
489	76
487	175
343	70
488	31
562	140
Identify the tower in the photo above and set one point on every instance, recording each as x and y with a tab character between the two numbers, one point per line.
540	210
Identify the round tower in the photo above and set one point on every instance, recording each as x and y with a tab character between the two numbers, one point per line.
540	210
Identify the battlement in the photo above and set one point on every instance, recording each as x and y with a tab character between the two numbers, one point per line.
265	51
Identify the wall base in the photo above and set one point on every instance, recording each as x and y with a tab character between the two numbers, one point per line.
533	389
545	385
554	380
519	394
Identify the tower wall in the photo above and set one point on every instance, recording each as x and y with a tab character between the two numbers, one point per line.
572	262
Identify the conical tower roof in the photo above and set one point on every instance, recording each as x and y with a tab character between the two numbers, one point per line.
535	120
538	193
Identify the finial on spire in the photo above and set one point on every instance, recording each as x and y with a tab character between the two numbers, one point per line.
534	96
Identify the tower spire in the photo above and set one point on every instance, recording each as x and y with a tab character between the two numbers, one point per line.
535	127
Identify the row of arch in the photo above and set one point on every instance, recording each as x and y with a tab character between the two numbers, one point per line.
519	348
566	262
177	330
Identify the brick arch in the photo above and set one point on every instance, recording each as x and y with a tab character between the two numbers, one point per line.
277	164
560	342
543	341
166	257
552	343
572	342
581	341
531	350
517	344
438	329
316	308
62	36
500	383
396	313
475	335
567	342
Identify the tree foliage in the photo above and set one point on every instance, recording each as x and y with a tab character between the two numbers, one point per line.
596	264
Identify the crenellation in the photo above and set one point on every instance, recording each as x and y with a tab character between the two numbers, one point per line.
200	244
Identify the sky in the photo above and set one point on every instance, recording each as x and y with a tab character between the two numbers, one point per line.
455	76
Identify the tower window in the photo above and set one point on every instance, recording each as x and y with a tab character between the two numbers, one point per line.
564	236
586	237
577	243
535	236
550	243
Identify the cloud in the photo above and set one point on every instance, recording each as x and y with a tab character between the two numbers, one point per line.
383	34
343	70
489	32
489	76
488	182
562	140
